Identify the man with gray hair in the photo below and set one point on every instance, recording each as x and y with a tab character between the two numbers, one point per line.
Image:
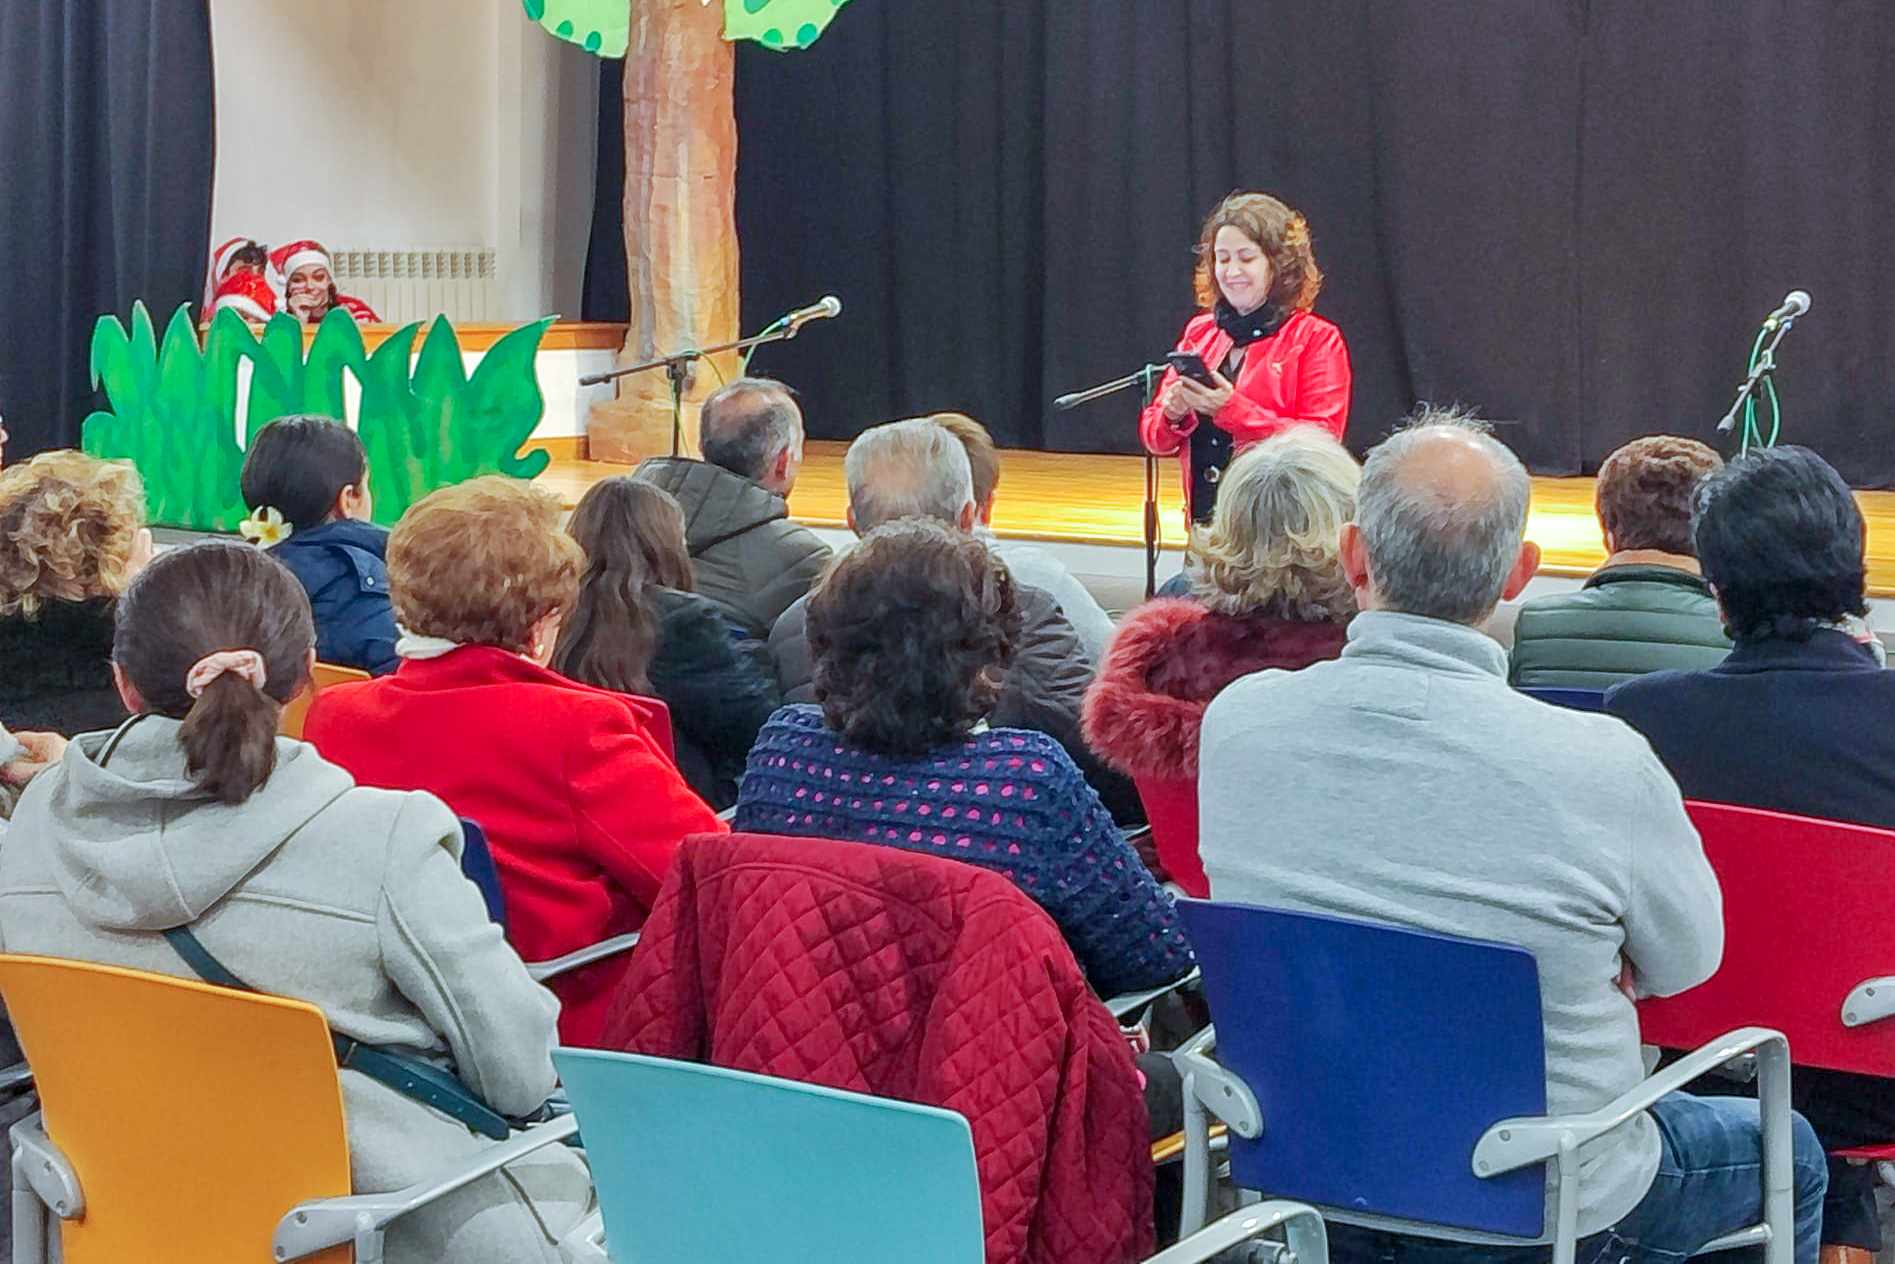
916	469
1406	783
748	556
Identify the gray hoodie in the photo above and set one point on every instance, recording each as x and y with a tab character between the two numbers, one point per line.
315	888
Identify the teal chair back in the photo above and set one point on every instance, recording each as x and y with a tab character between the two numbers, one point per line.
701	1165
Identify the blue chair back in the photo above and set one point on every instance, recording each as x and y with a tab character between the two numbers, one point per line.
1571	699
1379	1056
477	864
701	1165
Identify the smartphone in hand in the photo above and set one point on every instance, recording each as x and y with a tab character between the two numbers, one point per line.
1192	366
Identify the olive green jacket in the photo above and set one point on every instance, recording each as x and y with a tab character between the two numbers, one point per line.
1626	621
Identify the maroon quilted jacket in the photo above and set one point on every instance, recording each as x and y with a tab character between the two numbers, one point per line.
915	977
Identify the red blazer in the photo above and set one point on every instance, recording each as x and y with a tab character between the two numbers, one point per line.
916	977
1298	376
582	810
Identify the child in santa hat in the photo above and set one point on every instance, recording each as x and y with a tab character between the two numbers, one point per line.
309	284
235	257
248	294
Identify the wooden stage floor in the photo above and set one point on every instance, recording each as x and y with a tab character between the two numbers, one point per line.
1099	500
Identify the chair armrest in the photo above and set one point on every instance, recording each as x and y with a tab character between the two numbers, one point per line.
45	1169
544	970
1222	1093
1516	1143
1129	1002
1869	1001
585	1242
1201	1041
1307	1241
325	1222
15	1076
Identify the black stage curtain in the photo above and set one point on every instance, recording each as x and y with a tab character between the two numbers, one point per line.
1568	213
105	188
607	294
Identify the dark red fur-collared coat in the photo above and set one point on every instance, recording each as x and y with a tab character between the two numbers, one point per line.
1165	663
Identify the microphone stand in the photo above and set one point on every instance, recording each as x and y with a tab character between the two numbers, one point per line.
1763	367
677	367
1146	378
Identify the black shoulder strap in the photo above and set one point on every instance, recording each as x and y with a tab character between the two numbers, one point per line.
704	546
408	1076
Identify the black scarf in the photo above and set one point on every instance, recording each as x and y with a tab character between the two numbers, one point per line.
1248	328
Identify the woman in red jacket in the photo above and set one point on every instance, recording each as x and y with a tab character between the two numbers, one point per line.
1266	590
1273	363
582	807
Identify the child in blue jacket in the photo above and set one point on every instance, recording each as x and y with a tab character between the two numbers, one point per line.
305	480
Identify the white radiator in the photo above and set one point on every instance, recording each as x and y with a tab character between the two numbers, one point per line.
411	285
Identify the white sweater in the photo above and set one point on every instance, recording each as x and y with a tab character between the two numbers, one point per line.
1406	783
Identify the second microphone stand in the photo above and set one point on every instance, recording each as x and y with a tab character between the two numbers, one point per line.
677	367
1146	379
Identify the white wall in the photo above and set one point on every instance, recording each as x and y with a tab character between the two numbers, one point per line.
416	123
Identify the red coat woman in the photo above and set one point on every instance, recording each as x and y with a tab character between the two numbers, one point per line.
1274	364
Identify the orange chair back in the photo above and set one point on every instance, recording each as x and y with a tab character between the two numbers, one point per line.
320	676
195	1117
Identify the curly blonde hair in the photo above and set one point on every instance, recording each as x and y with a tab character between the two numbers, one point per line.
481	562
69	527
1271	547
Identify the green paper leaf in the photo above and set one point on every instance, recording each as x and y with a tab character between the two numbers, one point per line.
766	21
601	27
424	420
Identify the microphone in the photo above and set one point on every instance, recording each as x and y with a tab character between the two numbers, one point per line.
828	307
1794	304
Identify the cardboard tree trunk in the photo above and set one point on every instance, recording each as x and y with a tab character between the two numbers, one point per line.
680	221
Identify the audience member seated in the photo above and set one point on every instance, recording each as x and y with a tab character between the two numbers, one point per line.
1268	591
581	808
1028	562
72	536
751	559
1787	720
1647	608
305	481
195	814
916	469
638	628
912	632
1407	783
1791	721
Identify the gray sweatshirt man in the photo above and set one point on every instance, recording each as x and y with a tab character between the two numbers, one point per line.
1406	783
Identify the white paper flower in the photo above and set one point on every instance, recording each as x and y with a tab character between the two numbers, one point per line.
265	527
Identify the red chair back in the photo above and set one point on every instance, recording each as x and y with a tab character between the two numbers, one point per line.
1809	912
1171	807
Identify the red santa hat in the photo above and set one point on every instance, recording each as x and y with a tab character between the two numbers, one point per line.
248	294
286	259
220	259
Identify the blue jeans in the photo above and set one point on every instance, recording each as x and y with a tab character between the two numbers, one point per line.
1709	1183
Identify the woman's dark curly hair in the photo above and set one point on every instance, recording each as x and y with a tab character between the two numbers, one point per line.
1780	537
912	633
1283	234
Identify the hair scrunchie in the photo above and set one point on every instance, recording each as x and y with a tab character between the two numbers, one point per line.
245	664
